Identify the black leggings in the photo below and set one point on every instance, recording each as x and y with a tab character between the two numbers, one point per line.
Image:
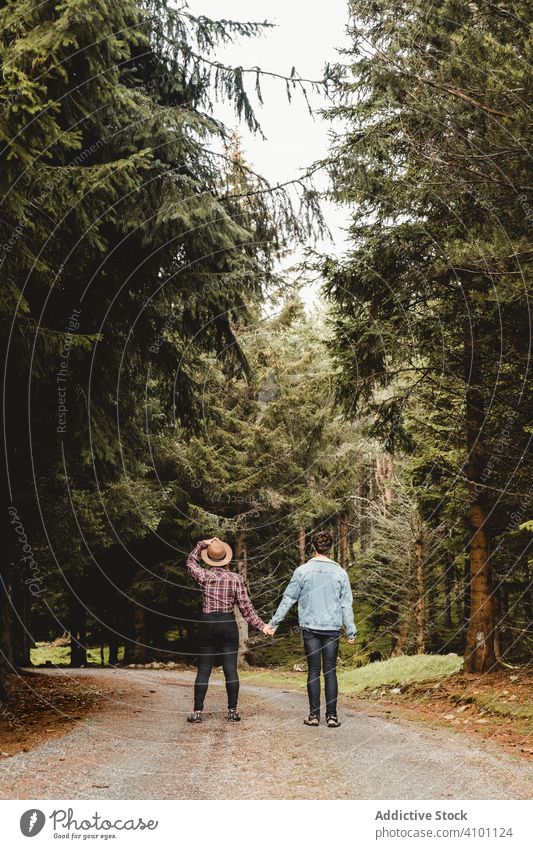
217	635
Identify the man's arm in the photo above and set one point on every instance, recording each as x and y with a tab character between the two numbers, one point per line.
193	563
246	607
290	597
347	609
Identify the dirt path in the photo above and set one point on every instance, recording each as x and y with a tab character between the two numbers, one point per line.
138	746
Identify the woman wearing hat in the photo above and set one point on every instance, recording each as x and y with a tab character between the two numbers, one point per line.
218	632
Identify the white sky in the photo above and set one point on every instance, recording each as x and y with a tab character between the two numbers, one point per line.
306	36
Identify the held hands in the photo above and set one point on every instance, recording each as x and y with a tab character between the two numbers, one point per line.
268	630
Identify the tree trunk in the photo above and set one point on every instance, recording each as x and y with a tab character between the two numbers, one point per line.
448	586
241	558
384	473
301	545
138	652
21	626
6	650
364	510
420	576
78	648
400	639
113	649
528	602
458	594
343	542
479	650
466	596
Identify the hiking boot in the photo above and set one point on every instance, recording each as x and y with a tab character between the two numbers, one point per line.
312	720
195	716
233	716
332	722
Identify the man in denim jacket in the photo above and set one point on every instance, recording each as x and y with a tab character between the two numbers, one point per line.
322	590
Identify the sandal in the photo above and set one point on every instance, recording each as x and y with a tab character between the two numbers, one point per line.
312	720
332	721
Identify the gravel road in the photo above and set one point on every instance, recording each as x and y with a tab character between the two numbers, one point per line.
139	746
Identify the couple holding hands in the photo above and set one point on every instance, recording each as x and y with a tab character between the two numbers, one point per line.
322	590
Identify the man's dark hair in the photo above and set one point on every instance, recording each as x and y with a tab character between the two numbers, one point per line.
322	542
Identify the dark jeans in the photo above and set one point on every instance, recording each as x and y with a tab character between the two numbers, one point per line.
321	650
217	635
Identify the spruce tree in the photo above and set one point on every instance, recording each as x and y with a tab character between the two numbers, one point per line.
431	302
115	227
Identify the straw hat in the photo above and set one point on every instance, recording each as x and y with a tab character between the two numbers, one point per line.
217	553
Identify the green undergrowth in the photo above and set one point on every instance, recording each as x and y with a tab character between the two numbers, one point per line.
497	706
60	655
394	671
399	671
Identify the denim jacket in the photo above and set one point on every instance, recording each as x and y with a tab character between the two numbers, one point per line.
322	590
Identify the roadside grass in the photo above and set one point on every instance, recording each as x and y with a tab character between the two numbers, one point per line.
406	669
402	670
60	655
273	678
43	652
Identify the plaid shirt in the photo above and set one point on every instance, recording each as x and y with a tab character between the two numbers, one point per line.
222	589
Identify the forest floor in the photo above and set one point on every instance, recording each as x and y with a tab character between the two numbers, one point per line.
41	707
121	733
496	707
